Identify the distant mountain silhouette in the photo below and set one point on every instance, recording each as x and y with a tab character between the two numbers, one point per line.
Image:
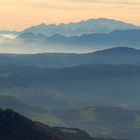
100	25
118	51
129	38
118	55
32	37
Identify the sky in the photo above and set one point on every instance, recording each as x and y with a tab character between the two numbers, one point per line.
19	14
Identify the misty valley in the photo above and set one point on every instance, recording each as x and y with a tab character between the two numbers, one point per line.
75	81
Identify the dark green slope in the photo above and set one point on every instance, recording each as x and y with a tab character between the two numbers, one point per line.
16	127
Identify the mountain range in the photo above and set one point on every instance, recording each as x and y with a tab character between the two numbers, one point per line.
129	38
100	25
90	26
84	36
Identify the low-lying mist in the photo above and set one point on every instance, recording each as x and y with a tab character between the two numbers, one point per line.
20	47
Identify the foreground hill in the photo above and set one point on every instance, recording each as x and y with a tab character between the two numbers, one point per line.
117	122
118	55
14	127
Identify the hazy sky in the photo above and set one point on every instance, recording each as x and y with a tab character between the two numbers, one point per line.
18	14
